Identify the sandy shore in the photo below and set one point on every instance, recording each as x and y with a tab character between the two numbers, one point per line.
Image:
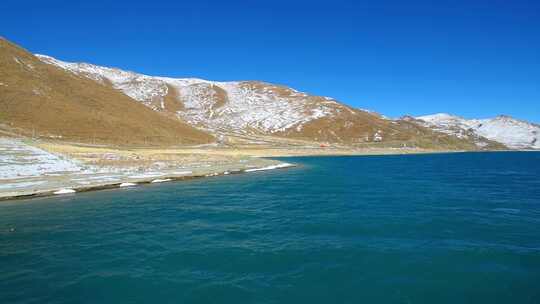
69	183
32	169
37	168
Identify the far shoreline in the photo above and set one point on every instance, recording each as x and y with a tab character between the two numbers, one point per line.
171	179
130	167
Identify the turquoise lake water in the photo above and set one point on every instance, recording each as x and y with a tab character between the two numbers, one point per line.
444	228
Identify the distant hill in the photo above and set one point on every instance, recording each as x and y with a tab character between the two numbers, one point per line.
511	132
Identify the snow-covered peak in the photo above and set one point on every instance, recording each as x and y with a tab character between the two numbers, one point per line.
440	117
511	132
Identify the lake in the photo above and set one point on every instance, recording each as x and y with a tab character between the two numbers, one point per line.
434	228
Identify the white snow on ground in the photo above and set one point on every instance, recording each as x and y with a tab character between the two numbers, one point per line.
64	191
147	175
25	169
20	185
108	178
161	180
246	109
513	133
181	172
19	160
278	166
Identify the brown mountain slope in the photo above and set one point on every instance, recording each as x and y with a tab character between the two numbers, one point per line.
350	126
249	109
41	99
359	128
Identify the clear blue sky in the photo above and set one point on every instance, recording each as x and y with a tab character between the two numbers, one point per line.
471	58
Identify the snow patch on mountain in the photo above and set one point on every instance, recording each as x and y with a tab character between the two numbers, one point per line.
247	108
137	86
511	132
242	108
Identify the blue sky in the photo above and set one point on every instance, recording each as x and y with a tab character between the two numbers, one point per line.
471	58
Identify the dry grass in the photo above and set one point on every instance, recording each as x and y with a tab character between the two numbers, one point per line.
46	101
116	156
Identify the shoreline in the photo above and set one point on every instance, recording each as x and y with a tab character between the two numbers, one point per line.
133	183
36	169
32	169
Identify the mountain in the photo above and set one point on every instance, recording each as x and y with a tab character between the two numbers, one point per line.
81	102
44	100
256	110
511	132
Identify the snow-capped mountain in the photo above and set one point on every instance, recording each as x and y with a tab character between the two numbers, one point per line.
246	106
108	102
255	108
46	97
513	133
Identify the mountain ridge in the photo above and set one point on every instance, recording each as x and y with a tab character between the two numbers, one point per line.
257	108
513	133
202	111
